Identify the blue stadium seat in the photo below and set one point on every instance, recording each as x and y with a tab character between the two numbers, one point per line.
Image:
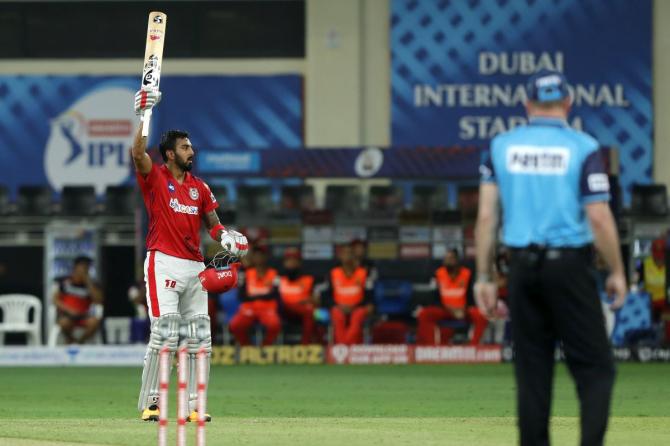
229	304
393	297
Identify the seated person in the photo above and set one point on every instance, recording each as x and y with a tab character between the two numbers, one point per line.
258	296
452	281
295	292
78	302
652	273
349	294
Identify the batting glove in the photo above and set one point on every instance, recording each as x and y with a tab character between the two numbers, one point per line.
146	99
234	243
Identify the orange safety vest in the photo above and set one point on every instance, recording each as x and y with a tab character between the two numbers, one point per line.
257	286
294	291
453	291
348	290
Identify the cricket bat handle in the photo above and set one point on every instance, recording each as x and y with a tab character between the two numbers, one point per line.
146	119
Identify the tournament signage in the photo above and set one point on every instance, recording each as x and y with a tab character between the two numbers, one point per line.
76	130
438	163
272	354
459	70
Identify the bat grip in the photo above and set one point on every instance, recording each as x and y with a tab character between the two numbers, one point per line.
146	118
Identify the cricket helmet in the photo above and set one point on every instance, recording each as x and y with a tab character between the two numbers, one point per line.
220	274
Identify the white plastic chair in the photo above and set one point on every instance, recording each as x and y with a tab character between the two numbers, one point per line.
117	330
16	317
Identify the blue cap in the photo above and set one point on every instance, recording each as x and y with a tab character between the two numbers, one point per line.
547	86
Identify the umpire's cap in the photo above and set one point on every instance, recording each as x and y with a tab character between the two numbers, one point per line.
547	86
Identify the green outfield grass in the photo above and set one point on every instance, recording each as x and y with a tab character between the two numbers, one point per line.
323	405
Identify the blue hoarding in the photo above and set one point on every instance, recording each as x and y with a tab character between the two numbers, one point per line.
74	130
458	70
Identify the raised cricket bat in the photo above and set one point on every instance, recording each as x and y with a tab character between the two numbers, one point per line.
153	59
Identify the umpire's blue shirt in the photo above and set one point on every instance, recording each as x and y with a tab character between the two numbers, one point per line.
546	172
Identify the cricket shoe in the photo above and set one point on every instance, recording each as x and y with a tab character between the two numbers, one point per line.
150	413
194	417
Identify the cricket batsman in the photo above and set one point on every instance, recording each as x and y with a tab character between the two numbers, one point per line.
176	202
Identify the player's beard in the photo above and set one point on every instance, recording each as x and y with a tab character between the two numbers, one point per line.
185	165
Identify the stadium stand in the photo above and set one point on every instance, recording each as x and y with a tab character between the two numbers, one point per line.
78	201
120	200
5	206
650	200
34	200
254	201
297	198
343	200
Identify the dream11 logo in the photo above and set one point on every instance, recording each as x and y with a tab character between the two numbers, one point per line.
89	143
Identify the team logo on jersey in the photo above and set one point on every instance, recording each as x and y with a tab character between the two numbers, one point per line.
171	187
193	193
598	182
538	160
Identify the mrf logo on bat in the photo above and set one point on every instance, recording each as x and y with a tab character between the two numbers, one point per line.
88	143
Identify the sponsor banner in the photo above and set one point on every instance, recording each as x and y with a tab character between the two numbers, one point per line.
458	354
321	234
317	251
370	354
414	234
73	355
272	354
74	130
407	354
414	251
383	250
229	162
383	234
459	70
621	354
346	234
401	163
285	234
448	234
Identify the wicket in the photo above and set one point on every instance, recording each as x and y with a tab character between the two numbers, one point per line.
182	394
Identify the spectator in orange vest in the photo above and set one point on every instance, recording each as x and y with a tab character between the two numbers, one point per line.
258	294
452	281
349	294
295	291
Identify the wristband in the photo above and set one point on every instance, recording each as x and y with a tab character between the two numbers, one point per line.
215	231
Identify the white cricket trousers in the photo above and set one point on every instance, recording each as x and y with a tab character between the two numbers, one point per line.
173	286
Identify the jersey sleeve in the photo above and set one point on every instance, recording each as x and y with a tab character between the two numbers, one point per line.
148	182
486	171
209	202
594	183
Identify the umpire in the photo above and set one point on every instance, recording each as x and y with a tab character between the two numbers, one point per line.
551	183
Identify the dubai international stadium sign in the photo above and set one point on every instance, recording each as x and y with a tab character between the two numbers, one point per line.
459	69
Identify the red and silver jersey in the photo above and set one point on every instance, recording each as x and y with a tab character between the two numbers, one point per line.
175	211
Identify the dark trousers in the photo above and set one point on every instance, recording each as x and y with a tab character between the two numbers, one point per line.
553	298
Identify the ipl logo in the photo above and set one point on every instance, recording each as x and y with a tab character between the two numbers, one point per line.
89	143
